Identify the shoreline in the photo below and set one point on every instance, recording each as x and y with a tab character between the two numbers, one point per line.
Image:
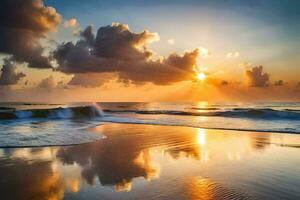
159	125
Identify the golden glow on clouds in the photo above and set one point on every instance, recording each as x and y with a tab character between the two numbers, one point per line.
124	186
70	23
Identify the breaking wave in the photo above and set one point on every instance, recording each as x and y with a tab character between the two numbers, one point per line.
53	113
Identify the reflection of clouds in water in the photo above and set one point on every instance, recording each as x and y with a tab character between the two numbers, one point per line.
32	181
114	162
125	154
190	151
192	145
33	153
72	183
144	160
33	174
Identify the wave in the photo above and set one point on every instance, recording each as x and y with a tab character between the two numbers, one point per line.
53	113
95	111
234	113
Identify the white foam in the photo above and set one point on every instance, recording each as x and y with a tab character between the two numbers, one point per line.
46	133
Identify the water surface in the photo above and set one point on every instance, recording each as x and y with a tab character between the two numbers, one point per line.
157	162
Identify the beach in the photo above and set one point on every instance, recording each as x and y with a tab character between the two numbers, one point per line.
134	161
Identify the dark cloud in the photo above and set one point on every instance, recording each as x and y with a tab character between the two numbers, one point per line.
88	35
118	50
256	77
279	83
23	23
9	76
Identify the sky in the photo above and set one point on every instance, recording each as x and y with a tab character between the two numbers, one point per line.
218	50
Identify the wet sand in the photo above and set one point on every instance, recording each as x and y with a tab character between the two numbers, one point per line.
157	162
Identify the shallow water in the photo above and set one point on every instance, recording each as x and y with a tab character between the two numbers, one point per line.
157	162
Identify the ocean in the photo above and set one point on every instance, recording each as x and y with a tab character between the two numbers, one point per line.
149	151
42	124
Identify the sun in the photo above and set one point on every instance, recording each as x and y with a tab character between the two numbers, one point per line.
201	76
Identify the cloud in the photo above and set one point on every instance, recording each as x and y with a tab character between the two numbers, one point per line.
91	79
256	77
233	55
279	83
9	76
88	35
72	23
171	41
23	23
116	49
47	83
